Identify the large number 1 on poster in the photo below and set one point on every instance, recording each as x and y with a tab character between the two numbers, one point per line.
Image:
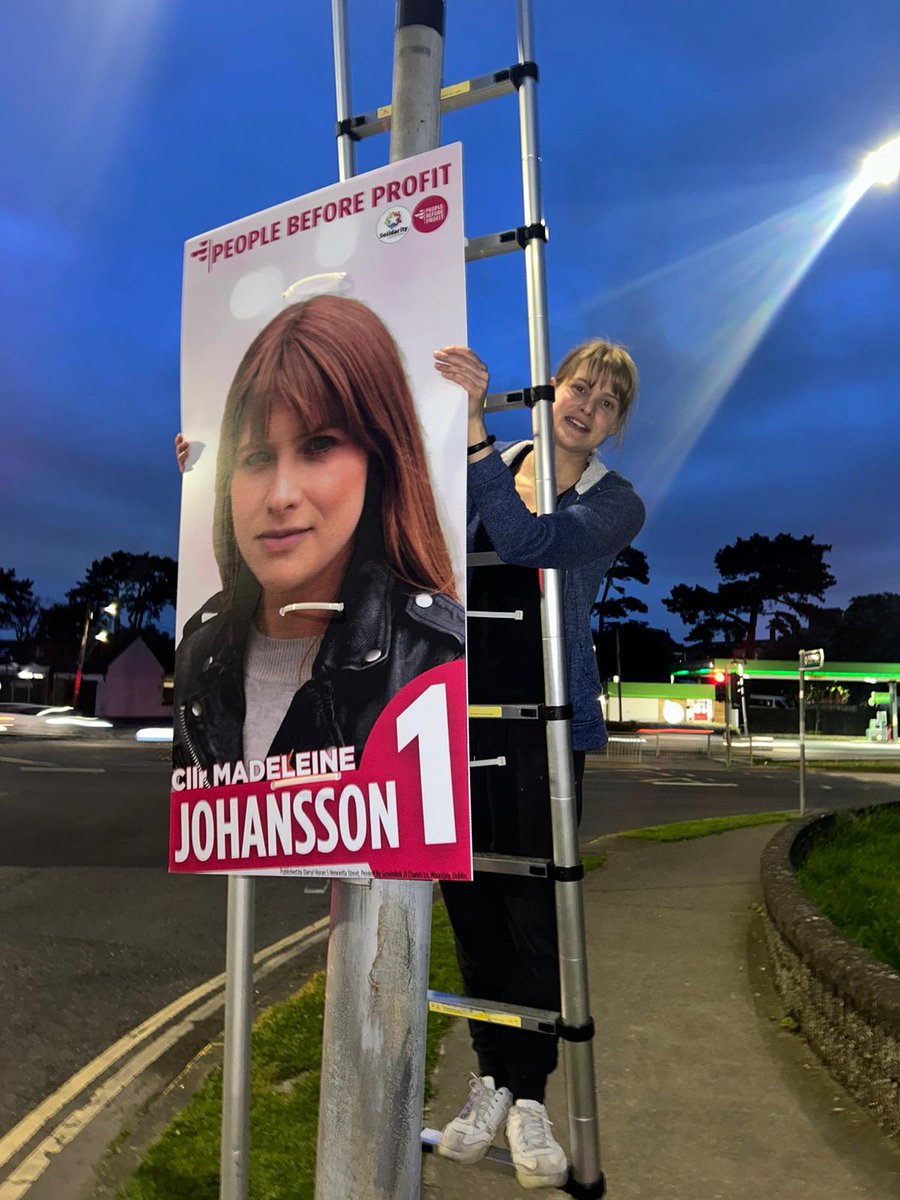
426	721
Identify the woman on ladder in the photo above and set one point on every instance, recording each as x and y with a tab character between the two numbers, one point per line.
505	925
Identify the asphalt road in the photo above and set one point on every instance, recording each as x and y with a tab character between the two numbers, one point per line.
95	935
625	796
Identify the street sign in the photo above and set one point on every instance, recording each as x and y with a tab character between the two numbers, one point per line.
812	660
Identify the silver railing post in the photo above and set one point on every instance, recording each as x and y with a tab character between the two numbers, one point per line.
346	147
578	1055
373	1045
234	1160
802	734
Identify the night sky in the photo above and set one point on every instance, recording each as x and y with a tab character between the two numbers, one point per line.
695	156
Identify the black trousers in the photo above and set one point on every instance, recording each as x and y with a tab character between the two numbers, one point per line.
505	926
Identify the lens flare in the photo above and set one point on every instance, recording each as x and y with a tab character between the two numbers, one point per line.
703	316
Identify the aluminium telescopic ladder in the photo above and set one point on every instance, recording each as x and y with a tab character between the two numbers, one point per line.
573	1024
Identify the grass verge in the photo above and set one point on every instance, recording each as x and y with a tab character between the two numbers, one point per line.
284	1105
685	831
853	876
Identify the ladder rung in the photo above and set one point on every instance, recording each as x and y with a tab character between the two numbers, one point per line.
488	762
453	98
510	864
518	615
492	244
495	1154
503	401
484	558
538	1020
506	712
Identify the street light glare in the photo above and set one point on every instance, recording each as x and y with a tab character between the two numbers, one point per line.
882	166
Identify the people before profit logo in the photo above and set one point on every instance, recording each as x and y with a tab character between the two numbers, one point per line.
210	252
324	209
430	214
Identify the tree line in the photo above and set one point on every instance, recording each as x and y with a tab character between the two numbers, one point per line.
780	580
141	585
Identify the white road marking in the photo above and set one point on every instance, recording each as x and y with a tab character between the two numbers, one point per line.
64	770
31	762
692	783
18	1182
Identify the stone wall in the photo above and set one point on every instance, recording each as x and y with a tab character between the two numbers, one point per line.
846	1003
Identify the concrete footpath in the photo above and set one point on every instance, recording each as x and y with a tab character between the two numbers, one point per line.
702	1095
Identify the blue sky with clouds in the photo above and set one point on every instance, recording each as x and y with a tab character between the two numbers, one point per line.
694	155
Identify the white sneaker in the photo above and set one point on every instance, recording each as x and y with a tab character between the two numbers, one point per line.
467	1137
539	1159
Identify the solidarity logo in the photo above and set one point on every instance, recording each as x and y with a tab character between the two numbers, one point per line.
393	224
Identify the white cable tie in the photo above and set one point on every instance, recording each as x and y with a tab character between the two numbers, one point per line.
329	283
518	615
331	607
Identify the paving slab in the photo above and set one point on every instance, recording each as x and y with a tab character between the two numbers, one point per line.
702	1094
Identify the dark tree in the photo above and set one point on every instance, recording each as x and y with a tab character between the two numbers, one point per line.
773	577
19	609
60	623
646	654
143	585
630	566
869	630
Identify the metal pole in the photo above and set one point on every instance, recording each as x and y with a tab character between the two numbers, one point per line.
373	1045
235	1151
88	617
578	1056
742	688
893	690
728	718
346	145
802	714
619	672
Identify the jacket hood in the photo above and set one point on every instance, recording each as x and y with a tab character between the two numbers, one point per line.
593	472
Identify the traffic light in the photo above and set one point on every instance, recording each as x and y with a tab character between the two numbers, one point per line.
720	680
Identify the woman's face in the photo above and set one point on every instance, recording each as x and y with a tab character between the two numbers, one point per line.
296	499
584	414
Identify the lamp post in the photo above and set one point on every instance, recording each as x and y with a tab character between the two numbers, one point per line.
807	660
79	670
882	167
112	610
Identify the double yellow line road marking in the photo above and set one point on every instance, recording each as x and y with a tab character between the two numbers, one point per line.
132	1054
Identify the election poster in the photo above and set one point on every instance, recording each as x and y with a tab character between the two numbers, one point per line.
320	690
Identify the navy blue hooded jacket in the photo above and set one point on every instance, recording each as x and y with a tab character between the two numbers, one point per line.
595	520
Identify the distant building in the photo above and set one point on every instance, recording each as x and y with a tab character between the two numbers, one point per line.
133	685
129	685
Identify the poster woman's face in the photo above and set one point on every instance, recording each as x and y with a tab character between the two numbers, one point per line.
296	499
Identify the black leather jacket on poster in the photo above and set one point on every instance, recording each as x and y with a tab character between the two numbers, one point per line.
386	636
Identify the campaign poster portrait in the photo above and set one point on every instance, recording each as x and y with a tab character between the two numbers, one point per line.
320	690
